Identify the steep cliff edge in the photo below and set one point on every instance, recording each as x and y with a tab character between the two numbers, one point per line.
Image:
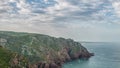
43	51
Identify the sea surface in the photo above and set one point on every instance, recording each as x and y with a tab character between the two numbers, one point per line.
107	55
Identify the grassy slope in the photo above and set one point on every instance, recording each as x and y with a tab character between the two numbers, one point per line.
37	46
7	57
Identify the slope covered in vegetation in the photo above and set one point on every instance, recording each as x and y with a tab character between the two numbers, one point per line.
43	51
9	59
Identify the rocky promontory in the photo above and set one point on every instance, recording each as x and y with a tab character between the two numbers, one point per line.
42	51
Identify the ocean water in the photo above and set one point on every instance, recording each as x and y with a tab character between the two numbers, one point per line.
107	55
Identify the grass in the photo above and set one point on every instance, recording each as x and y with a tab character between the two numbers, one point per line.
5	57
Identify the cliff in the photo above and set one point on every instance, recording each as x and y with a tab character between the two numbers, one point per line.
42	51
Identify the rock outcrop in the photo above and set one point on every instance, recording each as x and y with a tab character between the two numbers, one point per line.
67	57
42	51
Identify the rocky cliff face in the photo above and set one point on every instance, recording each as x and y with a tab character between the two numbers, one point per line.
43	51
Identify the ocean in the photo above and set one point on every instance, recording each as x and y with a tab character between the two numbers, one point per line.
107	55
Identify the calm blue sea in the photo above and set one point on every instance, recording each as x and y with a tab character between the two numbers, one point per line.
107	55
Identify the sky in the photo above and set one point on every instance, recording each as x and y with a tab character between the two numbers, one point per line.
81	20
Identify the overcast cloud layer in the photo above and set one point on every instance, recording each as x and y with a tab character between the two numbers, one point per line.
82	20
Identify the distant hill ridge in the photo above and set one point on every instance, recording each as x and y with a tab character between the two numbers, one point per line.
42	51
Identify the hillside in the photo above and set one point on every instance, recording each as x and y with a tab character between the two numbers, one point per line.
10	59
42	51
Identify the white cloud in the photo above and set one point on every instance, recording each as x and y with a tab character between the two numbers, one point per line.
46	0
61	8
116	6
12	0
23	6
4	7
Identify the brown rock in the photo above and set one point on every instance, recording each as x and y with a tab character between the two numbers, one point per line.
46	65
53	65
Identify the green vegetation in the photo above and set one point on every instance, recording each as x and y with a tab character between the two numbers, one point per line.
35	47
7	59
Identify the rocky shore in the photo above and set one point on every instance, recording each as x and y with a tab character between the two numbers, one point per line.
59	63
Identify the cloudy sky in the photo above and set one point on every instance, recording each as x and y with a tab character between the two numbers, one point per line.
81	20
